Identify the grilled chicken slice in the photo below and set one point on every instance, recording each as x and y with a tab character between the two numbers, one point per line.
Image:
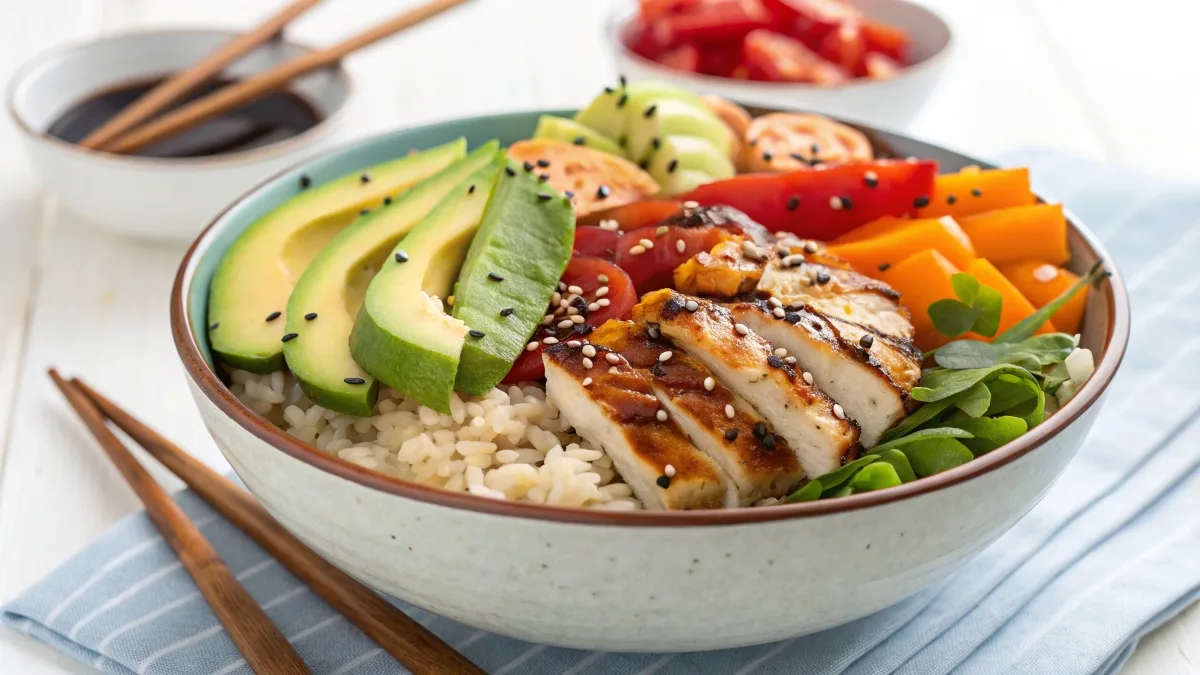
612	405
759	463
816	428
867	373
723	272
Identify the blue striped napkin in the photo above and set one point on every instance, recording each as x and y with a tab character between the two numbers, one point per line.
1112	552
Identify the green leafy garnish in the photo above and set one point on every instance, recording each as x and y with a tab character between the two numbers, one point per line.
922	435
1025	328
974	401
989	433
875	476
900	464
976	309
1032	354
937	454
942	384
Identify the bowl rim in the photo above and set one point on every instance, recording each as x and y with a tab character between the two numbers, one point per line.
620	17
205	378
301	141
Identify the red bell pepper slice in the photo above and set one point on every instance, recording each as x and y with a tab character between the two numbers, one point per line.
811	20
888	40
715	21
825	202
779	58
683	57
652	10
632	216
846	47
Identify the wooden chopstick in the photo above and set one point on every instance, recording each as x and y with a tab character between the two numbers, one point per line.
185	81
265	649
409	642
251	88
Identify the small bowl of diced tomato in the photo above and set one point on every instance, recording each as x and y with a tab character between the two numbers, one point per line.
871	60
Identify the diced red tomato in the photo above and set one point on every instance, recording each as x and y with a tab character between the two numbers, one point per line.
888	40
655	9
633	216
584	272
826	201
683	57
655	268
715	21
723	60
596	242
811	20
879	66
779	58
845	47
640	38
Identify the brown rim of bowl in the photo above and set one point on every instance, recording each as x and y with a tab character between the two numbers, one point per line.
291	144
619	19
1116	333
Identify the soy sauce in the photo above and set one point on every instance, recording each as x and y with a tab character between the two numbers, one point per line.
269	119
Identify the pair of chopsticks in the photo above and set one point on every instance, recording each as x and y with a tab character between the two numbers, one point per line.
122	134
264	647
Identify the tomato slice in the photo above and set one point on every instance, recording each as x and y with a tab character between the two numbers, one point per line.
683	57
880	66
594	180
656	9
779	58
596	242
812	20
715	21
845	47
888	40
616	302
633	216
826	201
793	141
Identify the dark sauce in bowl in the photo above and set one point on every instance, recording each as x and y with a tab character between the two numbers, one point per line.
271	118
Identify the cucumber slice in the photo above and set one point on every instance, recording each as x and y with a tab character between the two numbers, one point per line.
688	154
569	131
669	117
611	112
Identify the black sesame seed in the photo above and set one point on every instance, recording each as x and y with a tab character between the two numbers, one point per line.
544	196
815	149
365	178
798	157
884	267
921	202
580	140
354	380
543	177
543	163
507	311
274	315
815	161
305	181
215	326
602	192
310	316
664	481
866	341
731	435
623	141
569	194
767	157
609	90
509	171
401	257
871	181
793	203
650	111
623	100
658	370
822	278
364	212
495	277
289	337
387	200
792	317
847	204
672	165
622	80
976	192
775	361
475	333
644	164
471	190
768	442
760	429
950	199
528	166
656	142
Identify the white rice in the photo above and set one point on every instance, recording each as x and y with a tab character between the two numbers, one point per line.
509	444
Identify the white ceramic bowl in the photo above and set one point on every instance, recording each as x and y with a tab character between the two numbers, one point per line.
152	198
642	581
886	103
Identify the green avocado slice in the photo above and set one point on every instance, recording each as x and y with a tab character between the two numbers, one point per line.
665	117
570	131
613	111
512	269
323	307
252	283
681	163
402	336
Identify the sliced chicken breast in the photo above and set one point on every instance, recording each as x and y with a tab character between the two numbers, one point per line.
861	370
817	429
760	463
729	269
611	405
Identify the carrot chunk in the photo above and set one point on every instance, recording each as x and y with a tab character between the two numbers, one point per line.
879	227
1015	306
922	279
969	192
941	235
1019	234
1042	282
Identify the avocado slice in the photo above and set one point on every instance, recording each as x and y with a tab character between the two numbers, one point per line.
326	301
684	162
511	270
665	117
402	336
570	131
611	112
250	288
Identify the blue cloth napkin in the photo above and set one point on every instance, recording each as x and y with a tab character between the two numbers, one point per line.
1112	551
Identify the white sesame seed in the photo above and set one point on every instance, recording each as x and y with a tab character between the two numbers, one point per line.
589	350
741	329
574	290
613	371
691	204
661	415
691	305
669	471
751	250
665	356
661	230
911	160
572	311
587	381
602	278
565	323
550	340
578	318
602	291
574	343
612	357
1045	273
560	311
778	312
603	302
531	346
729	411
709	384
780	352
653	331
549	318
790	360
562	286
609	224
810	246
835	203
808	378
594	307
587	363
556	298
793	260
774	301
646	244
680	246
838	412
871	176
637	250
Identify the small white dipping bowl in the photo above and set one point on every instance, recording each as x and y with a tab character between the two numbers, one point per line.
162	199
890	103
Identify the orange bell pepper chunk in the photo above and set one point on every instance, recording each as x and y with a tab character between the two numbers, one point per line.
1020	234
969	192
880	227
922	279
1015	306
1042	282
871	256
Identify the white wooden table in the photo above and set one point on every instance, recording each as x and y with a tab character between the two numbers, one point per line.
1113	81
